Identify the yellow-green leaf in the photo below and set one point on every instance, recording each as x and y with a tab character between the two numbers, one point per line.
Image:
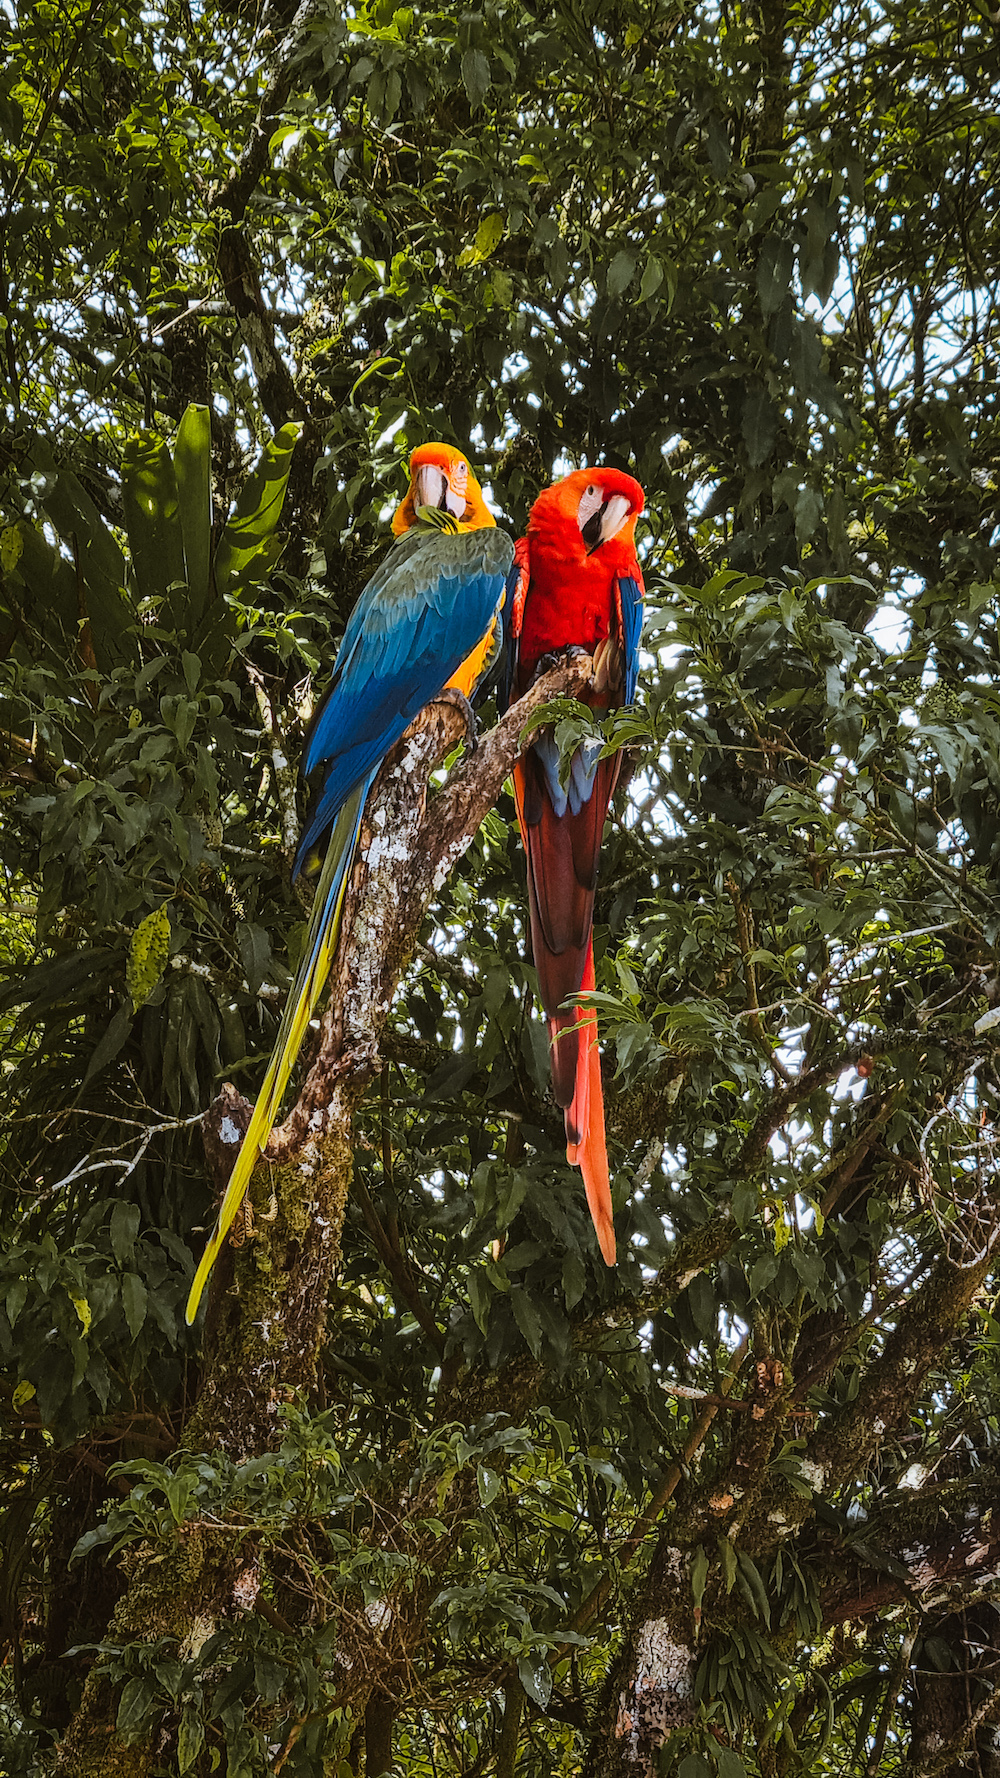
489	234
147	955
11	545
82	1308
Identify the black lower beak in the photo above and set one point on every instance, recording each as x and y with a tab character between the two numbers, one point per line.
591	532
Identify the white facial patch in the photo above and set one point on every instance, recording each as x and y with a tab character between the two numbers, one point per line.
591	501
458	484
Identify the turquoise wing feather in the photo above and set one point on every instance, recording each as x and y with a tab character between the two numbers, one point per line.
426	608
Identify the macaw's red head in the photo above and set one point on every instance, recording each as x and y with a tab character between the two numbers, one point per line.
601	503
440	476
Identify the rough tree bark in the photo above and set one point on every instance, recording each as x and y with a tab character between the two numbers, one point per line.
953	1721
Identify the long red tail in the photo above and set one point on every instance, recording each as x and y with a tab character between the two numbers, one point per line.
562	860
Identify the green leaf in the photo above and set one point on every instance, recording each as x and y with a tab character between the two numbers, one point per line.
48	593
133	1707
100	594
488	1482
124	1229
83	1309
699	1576
695	1766
476	76
729	1567
745	1200
528	1319
574	1277
750	1573
11	548
774	272
621	271
114	1040
193	469
243	556
535	1676
480	1298
652	278
190	1738
147	956
149	496
760	425
489	234
134	1300
380	367
808	512
728	1763
255	952
17	1296
385	89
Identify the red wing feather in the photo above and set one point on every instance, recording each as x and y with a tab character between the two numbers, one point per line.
562	850
563	853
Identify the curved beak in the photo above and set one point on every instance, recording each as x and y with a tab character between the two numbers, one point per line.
434	488
606	522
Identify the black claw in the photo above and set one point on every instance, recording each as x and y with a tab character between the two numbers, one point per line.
451	695
559	657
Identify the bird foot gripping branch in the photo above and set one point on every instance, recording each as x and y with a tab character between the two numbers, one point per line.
558	657
452	695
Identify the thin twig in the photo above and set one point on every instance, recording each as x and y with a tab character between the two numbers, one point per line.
647	1519
395	1264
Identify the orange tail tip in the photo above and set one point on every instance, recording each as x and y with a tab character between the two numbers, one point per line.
586	1146
589	1153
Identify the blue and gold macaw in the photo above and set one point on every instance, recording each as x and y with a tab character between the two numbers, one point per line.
424	626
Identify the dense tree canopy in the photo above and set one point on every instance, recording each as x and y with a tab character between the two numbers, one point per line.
428	1487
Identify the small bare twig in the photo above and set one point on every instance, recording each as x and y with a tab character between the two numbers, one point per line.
285	774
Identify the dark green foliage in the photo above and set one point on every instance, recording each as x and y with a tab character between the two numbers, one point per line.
752	255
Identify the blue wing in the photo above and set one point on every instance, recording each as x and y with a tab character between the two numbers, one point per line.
630	593
426	608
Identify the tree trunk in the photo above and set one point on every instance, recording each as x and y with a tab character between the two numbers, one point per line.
946	1739
651	1690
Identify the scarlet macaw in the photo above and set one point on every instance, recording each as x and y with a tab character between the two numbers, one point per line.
423	626
575	583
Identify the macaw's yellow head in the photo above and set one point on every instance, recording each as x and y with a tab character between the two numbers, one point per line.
440	476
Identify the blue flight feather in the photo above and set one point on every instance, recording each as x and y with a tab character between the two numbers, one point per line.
631	598
424	610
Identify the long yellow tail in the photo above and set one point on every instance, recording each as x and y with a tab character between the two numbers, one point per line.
317	956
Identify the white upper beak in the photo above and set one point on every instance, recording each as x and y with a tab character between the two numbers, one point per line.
434	489
615	513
